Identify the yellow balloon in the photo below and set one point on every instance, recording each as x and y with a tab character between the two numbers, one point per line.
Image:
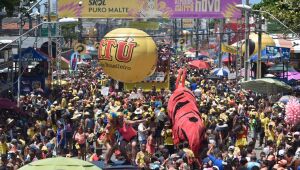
128	55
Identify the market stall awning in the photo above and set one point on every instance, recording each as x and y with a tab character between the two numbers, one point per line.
266	86
30	54
281	67
294	45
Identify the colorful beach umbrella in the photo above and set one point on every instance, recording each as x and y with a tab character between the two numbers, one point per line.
199	64
221	72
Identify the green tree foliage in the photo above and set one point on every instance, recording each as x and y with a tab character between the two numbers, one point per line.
9	6
287	11
68	32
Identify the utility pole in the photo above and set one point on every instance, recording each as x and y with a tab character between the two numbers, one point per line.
39	21
36	31
197	37
50	40
175	34
181	33
246	57
80	39
238	53
20	51
258	66
221	34
49	31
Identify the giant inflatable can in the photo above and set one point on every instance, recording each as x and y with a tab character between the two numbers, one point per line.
127	55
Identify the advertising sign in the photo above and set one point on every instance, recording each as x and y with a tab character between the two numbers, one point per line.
278	52
147	86
149	9
44	30
187	23
228	49
74	61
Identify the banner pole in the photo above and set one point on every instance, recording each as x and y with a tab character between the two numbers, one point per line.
197	37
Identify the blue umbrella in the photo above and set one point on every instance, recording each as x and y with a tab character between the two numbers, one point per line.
285	99
220	72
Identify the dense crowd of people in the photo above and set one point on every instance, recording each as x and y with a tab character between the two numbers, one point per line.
244	130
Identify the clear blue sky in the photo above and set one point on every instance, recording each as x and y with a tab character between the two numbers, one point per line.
254	1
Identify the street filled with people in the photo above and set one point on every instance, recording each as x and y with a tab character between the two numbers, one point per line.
243	129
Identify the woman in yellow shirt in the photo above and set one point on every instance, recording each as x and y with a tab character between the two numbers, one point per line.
167	135
279	136
264	123
3	146
270	134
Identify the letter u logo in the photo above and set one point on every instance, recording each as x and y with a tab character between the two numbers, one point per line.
125	51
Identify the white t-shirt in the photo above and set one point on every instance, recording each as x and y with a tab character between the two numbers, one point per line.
197	92
141	134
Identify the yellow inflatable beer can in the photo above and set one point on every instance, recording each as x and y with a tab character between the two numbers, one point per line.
267	40
127	55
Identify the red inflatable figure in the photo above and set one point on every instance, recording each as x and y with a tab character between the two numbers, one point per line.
185	117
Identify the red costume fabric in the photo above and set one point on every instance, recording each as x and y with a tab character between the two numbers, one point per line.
185	117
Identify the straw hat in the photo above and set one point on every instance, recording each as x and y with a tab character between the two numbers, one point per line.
222	108
114	108
70	108
231	110
9	121
76	115
86	113
58	108
44	148
138	111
